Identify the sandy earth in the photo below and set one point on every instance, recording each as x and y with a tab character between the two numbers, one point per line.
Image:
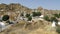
39	28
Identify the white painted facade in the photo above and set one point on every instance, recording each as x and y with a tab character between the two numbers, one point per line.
24	14
2	26
38	18
21	18
25	19
53	24
41	16
58	23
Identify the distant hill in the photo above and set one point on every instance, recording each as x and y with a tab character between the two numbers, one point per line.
18	7
13	8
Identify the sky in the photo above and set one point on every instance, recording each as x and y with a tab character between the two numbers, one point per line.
47	4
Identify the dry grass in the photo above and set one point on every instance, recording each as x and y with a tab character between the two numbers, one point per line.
39	28
42	31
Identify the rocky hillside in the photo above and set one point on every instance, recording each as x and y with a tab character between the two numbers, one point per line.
13	10
41	27
14	7
19	7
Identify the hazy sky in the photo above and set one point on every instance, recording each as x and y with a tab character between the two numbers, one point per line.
48	4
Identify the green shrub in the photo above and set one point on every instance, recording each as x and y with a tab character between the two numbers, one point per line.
5	17
56	15
21	14
36	14
59	15
58	30
27	15
46	18
53	19
29	18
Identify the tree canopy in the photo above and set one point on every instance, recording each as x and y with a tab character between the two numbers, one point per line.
46	18
5	17
53	19
27	15
29	18
36	14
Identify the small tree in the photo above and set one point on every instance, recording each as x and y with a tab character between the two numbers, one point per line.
46	18
27	15
22	14
53	19
59	15
56	15
5	17
29	18
36	14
